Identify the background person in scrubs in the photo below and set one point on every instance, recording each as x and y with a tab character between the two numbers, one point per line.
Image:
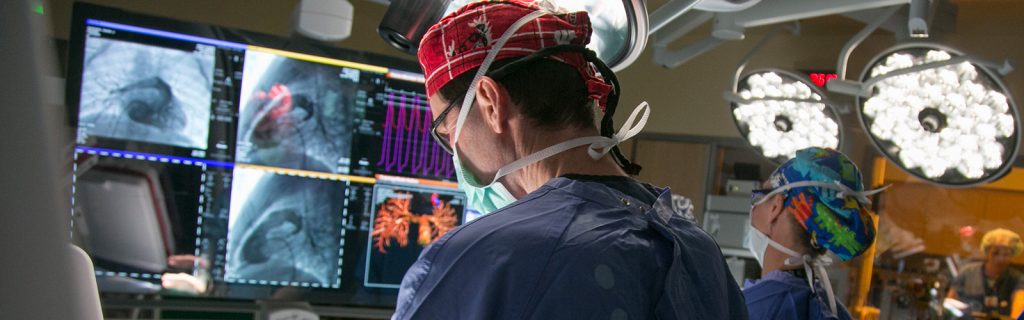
990	286
813	203
569	235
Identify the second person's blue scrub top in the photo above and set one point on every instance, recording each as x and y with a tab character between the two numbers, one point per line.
780	295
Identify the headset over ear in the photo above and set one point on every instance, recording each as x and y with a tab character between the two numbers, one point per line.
607	121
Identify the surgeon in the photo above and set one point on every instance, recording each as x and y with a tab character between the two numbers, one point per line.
811	205
566	234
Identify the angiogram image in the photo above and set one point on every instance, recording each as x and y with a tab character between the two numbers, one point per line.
406	220
146	93
295	114
284	228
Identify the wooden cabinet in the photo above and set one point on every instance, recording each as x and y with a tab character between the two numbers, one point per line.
681	166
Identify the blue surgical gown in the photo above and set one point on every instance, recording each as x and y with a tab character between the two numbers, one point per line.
780	295
576	248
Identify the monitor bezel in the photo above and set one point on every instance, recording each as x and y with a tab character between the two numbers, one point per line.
74	72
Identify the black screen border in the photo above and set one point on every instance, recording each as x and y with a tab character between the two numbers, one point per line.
74	72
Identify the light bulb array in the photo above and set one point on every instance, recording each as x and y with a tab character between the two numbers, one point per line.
783	114
937	119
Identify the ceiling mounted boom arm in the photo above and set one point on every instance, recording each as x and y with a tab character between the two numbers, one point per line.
730	25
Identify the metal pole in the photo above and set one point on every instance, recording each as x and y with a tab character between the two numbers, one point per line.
844	55
670	11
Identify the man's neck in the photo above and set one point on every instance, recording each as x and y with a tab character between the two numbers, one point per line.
573	161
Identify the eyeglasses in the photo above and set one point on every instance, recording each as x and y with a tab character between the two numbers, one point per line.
757	194
442	138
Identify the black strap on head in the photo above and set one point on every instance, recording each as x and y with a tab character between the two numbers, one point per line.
607	121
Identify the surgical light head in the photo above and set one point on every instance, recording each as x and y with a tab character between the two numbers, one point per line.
941	116
779	113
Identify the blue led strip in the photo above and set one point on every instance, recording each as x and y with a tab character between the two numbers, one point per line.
136	275
166	34
154	157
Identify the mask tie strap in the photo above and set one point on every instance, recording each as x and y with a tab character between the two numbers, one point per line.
843	191
604	144
814	267
631	128
861	196
865	195
546	153
819	267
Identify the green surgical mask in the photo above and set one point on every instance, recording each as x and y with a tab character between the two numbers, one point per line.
483	199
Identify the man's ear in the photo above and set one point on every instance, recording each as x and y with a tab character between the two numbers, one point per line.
494	103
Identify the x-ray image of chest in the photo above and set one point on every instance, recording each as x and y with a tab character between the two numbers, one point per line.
284	228
295	114
146	93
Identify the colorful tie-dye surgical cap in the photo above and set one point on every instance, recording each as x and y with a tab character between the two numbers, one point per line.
833	221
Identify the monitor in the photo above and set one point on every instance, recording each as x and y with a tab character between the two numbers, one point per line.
219	163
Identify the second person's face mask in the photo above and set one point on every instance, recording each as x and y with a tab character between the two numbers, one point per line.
757	243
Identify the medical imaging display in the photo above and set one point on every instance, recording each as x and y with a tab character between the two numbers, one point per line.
284	228
217	163
295	114
146	93
405	220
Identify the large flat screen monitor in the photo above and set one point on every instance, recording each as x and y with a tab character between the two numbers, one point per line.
219	163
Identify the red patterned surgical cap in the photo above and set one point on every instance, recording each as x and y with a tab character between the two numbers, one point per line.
461	40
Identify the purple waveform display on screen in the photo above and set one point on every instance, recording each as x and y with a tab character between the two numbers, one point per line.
407	146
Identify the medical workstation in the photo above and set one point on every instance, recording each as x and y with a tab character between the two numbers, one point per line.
512	159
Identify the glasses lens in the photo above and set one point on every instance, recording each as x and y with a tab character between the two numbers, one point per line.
758	194
441	140
442	136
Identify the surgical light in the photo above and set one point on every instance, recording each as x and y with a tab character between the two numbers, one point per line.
406	21
779	112
620	27
939	115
